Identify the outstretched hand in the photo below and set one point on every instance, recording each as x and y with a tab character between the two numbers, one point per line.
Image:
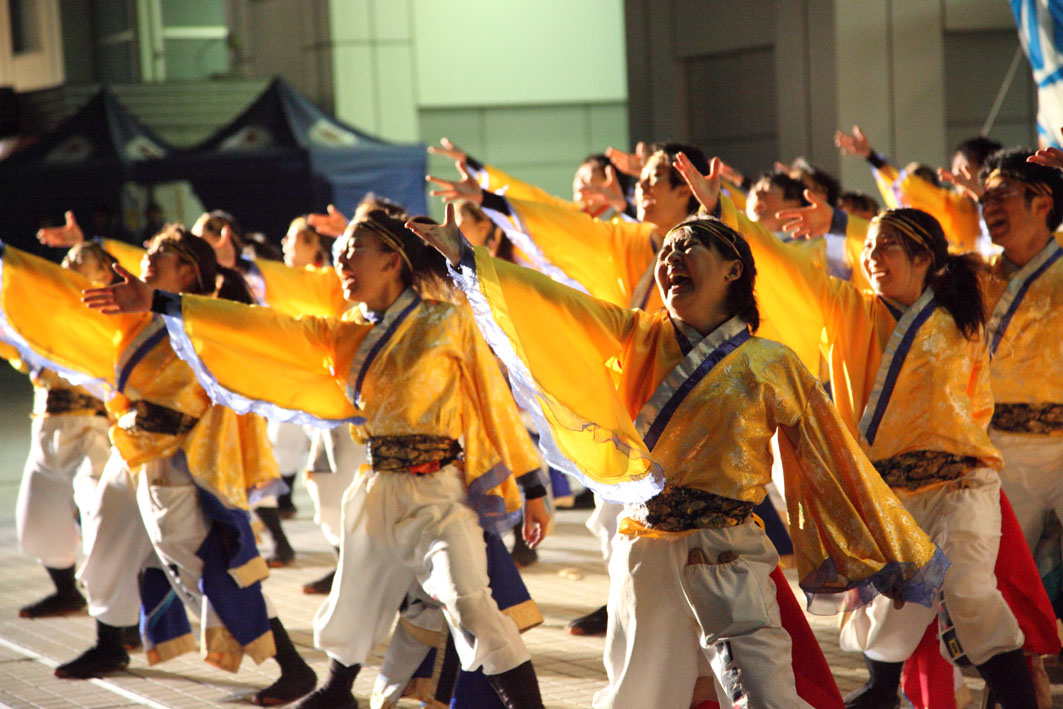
66	235
448	150
964	180
332	223
855	143
465	188
536	521
609	193
130	295
808	222
629	163
706	188
445	238
1049	157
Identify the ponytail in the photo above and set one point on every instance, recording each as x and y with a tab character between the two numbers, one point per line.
958	289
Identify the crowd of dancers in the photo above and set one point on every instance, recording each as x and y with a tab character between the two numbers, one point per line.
745	372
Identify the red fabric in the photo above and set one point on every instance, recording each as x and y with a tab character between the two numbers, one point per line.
927	679
815	683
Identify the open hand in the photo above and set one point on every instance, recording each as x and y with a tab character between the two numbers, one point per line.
855	143
448	150
332	223
731	175
445	238
1049	157
808	222
965	181
609	193
706	188
536	521
66	235
629	163
130	295
465	188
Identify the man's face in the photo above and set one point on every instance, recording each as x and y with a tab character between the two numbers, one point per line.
658	201
765	199
1011	216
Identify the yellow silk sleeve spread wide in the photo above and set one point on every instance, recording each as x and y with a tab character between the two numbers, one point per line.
128	256
302	291
608	258
296	363
959	216
568	342
1028	364
499	181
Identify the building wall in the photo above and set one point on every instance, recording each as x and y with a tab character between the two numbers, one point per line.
756	80
39	64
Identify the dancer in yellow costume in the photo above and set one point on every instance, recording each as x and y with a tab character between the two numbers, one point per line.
413	378
910	370
185	467
620	397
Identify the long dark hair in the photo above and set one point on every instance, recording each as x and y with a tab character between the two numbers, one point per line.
423	267
195	251
728	243
954	278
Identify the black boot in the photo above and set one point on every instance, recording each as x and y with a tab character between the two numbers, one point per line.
66	599
880	692
594	623
296	677
285	506
107	655
322	585
131	639
282	554
336	692
523	555
1008	680
517	688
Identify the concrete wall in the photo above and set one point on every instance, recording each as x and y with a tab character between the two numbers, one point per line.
40	64
756	80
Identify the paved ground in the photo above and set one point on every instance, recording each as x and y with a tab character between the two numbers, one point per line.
568	581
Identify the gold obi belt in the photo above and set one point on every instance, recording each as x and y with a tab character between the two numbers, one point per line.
916	469
681	509
147	417
63	401
416	454
1028	418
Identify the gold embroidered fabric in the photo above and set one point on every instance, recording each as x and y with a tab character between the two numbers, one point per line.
679	509
65	401
153	418
1028	418
916	469
412	454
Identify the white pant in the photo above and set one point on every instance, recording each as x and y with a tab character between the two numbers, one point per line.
1032	478
963	518
400	529
335	451
603	523
290	446
67	455
669	622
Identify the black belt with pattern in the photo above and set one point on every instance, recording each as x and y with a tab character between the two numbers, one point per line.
416	454
1028	418
155	418
679	509
63	401
914	469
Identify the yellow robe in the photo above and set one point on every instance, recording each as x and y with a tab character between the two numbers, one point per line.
959	217
433	376
563	348
41	306
1027	365
942	398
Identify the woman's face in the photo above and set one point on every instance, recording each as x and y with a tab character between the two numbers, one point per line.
91	268
693	279
367	269
298	248
165	268
892	272
211	233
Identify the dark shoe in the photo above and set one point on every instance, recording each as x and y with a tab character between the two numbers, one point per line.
594	623
283	554
336	692
131	638
54	605
285	506
517	688
94	662
280	558
583	501
1008	680
323	585
880	691
289	686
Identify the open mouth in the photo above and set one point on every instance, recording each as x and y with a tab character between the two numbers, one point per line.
677	280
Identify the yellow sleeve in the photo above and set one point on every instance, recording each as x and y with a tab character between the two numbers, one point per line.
959	216
558	345
738	196
255	359
302	291
885	179
606	257
128	256
511	187
45	320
